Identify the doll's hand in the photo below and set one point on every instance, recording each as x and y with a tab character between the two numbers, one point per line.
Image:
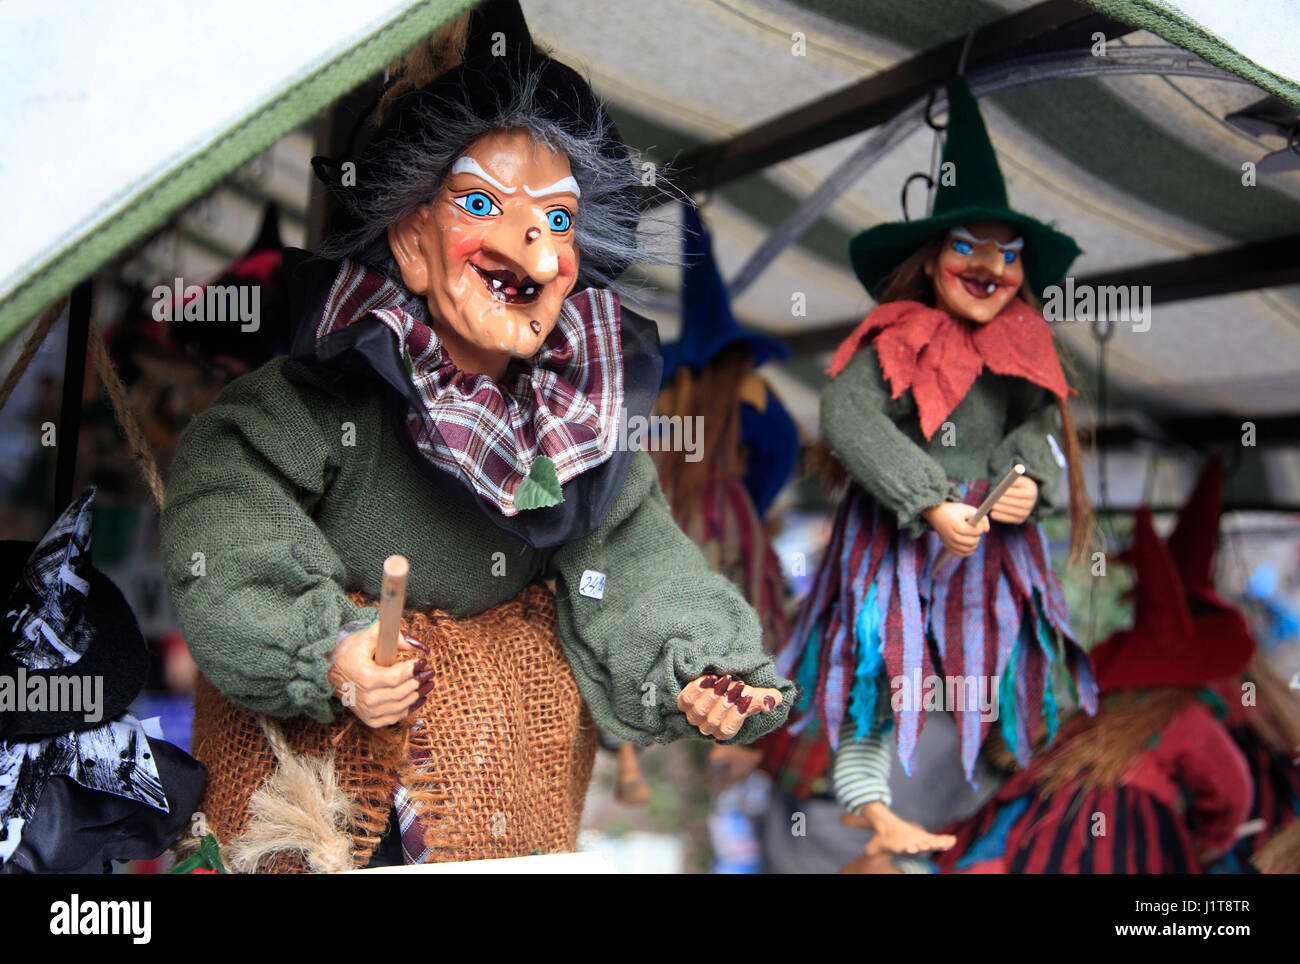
1017	502
893	834
717	706
950	521
378	695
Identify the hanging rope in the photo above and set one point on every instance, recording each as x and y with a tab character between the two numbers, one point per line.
30	347
1102	330
126	415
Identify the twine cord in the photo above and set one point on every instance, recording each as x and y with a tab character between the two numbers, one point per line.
30	347
126	415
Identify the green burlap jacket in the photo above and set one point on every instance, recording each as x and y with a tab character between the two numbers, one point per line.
292	489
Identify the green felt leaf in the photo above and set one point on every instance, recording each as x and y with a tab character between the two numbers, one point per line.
206	859
541	488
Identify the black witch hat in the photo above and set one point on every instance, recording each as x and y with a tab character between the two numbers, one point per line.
498	51
64	618
80	785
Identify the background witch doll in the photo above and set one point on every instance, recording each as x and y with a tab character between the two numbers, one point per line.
744	445
1267	731
720	493
946	385
1265	724
451	395
1154	783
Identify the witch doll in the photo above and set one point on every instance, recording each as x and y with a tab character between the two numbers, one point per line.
1154	783
459	366
946	386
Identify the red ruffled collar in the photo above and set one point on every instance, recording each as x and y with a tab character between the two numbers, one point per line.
938	357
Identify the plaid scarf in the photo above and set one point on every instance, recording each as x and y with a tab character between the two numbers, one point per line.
560	404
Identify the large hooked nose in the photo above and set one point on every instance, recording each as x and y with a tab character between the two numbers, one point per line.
524	237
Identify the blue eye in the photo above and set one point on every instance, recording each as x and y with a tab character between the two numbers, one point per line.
1008	256
962	247
559	220
477	203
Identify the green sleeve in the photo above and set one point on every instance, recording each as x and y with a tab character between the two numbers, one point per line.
1036	443
663	619
858	423
258	590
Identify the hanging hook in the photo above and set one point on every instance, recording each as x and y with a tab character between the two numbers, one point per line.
902	197
929	106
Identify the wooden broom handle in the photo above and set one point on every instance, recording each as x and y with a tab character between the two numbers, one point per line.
392	600
990	500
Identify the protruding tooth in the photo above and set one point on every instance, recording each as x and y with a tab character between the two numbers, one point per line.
496	282
528	290
992	287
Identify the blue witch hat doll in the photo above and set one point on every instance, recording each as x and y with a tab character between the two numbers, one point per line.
768	434
950	381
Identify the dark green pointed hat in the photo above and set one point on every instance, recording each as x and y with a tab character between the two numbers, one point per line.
977	193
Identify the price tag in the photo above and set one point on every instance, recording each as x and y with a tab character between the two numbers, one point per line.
1056	451
592	584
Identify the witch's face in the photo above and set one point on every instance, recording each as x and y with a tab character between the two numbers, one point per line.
978	270
494	253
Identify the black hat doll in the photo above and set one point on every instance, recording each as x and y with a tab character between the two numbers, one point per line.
82	781
461	364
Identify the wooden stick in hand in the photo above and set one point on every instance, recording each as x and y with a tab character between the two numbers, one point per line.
392	600
985	507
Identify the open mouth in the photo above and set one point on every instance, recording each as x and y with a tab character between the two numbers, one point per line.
509	288
978	287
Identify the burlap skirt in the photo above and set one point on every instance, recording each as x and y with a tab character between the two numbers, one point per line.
496	759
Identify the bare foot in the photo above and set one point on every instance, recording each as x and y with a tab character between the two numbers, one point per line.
894	835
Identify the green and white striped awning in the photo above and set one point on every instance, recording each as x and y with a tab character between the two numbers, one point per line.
116	115
115	122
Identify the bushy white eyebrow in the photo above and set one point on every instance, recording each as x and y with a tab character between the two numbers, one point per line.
563	184
467	165
1015	244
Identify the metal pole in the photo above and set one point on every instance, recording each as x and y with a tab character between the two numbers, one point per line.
74	378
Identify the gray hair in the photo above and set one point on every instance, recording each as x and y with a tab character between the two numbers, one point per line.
410	170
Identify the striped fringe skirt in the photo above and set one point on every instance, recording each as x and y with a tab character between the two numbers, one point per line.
995	622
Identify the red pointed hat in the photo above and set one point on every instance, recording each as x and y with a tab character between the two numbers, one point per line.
1194	543
1175	640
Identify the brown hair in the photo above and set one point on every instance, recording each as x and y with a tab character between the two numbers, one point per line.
713	395
909	282
442	51
1097	751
